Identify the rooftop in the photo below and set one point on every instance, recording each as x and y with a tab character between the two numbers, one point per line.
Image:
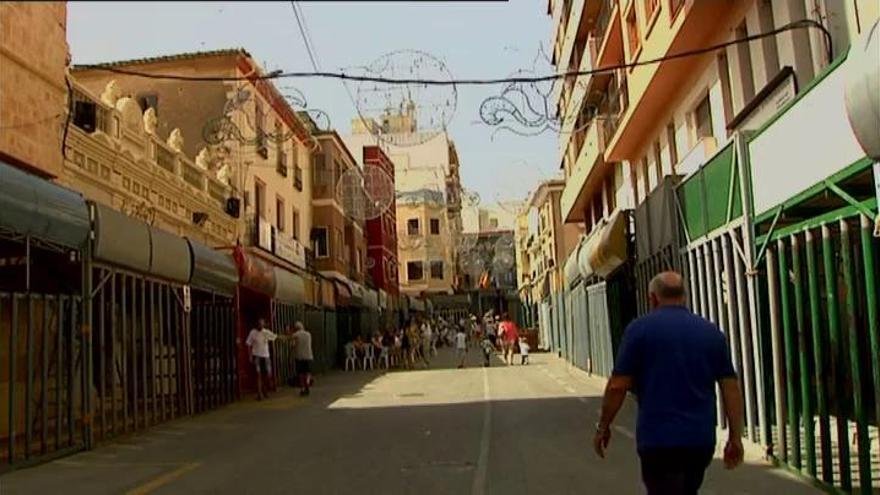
168	58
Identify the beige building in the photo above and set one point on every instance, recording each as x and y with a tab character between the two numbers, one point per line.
488	218
428	186
424	250
33	96
244	133
115	156
550	240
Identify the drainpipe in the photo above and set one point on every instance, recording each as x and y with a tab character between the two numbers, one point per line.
748	239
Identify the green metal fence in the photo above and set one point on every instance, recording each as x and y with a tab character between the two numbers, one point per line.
821	282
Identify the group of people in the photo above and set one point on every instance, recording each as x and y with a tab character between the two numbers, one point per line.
258	341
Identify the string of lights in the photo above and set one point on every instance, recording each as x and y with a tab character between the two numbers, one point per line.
801	24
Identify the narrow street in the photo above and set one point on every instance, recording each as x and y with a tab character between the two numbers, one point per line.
501	430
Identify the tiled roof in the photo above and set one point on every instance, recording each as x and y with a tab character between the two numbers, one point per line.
169	58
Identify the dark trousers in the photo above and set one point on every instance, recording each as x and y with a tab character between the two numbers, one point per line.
675	471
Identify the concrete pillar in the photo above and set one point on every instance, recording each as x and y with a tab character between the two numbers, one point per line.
795	48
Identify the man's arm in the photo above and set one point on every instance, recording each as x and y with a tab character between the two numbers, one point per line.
615	394
733	410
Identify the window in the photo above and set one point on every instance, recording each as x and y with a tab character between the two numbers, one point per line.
673	148
746	78
412	226
610	192
437	270
297	178
435	226
724	75
260	198
321	174
280	155
319	241
658	162
279	213
295	223
702	118
262	150
148	100
632	32
414	270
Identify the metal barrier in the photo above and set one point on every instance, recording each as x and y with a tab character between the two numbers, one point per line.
215	373
141	360
823	304
44	414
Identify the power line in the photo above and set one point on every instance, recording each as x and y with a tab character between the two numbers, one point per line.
802	24
302	32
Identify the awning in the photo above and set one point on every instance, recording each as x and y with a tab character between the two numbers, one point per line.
358	294
571	271
312	289
33	206
371	299
343	293
328	295
608	249
122	240
254	273
289	287
416	304
212	270
583	256
170	256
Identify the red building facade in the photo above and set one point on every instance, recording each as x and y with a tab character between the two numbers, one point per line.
382	231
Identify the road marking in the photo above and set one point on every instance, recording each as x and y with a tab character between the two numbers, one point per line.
479	485
163	480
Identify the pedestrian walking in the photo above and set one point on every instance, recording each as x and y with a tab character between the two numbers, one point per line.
427	340
523	351
303	357
509	337
671	360
461	346
488	348
258	341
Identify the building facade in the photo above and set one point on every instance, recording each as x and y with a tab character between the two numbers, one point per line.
382	232
244	133
499	216
338	239
731	164
424	170
33	104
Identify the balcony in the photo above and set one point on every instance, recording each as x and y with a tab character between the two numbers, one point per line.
608	31
177	185
652	87
702	150
586	176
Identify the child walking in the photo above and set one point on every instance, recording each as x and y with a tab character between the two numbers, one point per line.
523	350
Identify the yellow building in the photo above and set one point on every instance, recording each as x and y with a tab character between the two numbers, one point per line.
245	134
424	250
33	60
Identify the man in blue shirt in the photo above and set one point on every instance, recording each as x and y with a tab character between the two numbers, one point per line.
671	359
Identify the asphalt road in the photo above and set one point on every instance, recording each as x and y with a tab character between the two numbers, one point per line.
501	430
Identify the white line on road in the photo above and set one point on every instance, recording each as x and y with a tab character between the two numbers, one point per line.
479	486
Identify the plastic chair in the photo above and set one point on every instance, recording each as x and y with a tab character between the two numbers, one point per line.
385	357
350	357
369	356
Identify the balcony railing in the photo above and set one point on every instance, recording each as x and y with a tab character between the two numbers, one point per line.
615	104
603	20
147	149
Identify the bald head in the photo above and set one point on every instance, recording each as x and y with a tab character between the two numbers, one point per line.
666	288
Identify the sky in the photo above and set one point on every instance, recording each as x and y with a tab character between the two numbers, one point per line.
473	39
